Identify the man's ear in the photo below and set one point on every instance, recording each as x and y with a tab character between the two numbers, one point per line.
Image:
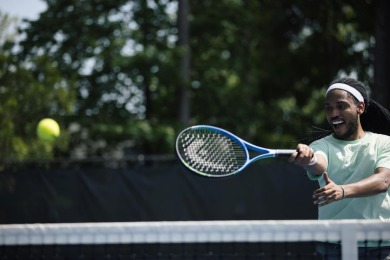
360	108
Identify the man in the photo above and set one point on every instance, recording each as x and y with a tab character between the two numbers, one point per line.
352	165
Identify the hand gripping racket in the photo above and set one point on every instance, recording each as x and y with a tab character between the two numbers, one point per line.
213	152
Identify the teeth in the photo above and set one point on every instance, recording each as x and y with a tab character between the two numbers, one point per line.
337	122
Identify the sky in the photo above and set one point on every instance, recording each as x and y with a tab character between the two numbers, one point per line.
29	9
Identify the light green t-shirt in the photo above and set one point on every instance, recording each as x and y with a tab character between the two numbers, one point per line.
349	162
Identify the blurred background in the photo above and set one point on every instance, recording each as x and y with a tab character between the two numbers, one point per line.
122	78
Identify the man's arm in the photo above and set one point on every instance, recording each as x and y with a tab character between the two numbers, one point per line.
377	183
304	157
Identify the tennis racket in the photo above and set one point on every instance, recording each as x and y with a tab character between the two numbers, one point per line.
214	152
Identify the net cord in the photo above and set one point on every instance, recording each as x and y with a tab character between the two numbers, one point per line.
349	232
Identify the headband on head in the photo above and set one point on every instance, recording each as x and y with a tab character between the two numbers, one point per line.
347	88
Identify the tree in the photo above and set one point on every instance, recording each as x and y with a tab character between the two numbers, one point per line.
269	61
121	56
183	42
381	89
30	89
258	68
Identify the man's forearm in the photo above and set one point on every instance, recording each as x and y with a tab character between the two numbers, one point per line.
375	184
319	167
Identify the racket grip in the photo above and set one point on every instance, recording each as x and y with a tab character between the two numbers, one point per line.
284	152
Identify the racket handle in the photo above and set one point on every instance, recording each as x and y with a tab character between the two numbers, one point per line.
284	153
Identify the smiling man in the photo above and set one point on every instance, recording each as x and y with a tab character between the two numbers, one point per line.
352	165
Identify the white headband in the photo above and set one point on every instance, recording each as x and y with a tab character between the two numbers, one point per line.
347	88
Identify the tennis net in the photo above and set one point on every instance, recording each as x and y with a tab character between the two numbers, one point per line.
290	239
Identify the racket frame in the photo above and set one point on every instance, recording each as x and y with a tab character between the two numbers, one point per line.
265	152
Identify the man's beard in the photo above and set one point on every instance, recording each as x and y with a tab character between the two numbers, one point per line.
352	128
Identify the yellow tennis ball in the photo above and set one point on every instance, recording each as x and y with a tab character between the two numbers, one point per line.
48	129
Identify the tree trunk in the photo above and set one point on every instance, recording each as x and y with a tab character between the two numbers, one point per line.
184	105
381	89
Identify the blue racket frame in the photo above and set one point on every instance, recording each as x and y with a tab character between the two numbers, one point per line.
265	152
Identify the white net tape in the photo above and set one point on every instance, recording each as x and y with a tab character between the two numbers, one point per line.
348	232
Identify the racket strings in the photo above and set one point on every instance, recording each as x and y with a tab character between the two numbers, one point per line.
211	152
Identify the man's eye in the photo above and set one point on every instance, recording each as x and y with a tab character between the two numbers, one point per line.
341	106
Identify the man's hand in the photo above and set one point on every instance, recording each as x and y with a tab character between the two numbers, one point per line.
329	193
305	157
302	156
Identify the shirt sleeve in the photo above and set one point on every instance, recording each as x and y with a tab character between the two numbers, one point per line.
383	159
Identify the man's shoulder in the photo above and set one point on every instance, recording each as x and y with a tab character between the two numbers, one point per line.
376	136
378	140
324	139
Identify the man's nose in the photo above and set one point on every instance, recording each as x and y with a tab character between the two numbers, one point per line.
334	113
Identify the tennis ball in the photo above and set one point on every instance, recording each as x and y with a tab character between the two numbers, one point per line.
48	129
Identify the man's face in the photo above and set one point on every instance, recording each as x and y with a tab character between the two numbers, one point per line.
343	114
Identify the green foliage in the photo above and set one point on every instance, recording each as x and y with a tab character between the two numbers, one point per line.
109	72
119	140
30	90
280	55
